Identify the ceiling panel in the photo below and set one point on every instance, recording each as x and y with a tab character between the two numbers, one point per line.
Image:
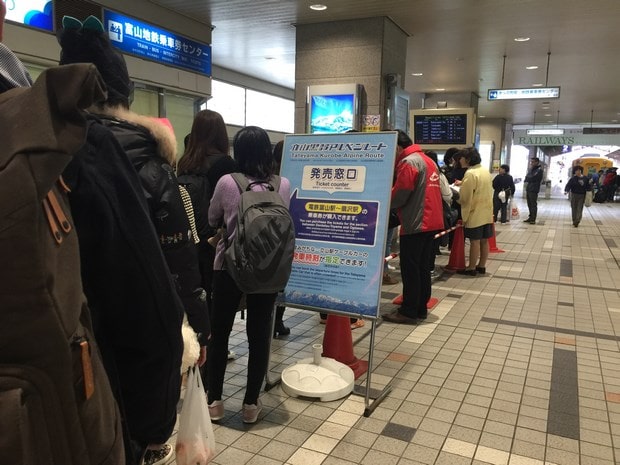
459	45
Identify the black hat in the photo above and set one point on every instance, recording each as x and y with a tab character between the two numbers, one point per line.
88	43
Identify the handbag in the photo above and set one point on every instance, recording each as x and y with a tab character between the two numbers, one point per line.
588	200
195	440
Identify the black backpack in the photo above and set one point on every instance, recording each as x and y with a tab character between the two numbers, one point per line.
260	256
200	191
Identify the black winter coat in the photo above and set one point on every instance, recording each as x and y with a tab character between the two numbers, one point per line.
136	313
503	182
150	148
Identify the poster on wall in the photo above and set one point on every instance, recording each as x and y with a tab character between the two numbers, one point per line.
33	13
340	200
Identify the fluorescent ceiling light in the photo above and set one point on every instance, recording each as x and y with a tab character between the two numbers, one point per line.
523	93
440	89
545	132
521	39
537	85
417	74
531	67
318	7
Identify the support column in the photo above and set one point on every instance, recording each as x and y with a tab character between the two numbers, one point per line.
362	51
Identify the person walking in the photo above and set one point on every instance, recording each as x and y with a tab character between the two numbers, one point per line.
476	199
533	179
503	182
416	196
577	185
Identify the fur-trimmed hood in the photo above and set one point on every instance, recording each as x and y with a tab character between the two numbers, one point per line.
163	136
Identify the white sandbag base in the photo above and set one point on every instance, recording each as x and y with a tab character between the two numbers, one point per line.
319	377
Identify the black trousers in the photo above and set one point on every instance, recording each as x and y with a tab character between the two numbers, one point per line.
532	204
226	298
416	253
500	207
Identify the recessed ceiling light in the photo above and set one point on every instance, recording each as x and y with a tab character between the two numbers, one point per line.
481	116
521	39
318	7
544	107
537	85
531	67
440	89
417	74
547	114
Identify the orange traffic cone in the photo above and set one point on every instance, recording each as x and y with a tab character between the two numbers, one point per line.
338	344
492	244
457	254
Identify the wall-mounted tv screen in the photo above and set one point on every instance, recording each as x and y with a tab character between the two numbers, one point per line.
397	109
34	13
333	109
442	129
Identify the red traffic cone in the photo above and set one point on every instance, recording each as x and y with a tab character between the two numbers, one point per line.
338	344
492	244
457	254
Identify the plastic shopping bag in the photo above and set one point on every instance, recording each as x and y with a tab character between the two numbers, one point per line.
514	212
195	439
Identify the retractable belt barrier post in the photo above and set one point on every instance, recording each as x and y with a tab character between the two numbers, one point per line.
457	253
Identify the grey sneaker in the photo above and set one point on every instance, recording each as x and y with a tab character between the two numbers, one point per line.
250	412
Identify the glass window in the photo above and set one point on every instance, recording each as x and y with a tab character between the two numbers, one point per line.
229	101
145	102
269	112
180	112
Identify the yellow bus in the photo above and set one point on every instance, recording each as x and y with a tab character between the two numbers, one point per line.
593	165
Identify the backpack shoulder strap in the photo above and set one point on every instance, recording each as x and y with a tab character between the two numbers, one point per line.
242	182
275	182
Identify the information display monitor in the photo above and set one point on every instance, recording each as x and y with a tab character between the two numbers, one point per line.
441	129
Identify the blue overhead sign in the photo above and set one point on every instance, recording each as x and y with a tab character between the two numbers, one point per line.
526	93
155	44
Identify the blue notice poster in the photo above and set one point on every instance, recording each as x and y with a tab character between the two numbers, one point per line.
155	44
340	200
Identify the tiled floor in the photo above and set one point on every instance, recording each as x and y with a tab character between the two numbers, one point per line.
519	367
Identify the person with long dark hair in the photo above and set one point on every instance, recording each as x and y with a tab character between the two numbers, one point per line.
206	154
252	149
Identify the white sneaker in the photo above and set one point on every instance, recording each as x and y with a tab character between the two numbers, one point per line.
216	410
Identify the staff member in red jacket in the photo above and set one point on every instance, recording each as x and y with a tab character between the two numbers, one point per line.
416	196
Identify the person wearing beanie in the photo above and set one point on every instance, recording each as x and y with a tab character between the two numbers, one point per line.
150	147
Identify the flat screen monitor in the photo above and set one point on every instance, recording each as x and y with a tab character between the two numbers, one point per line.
33	13
442	129
333	109
397	109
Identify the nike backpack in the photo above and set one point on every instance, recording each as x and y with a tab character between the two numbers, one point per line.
260	256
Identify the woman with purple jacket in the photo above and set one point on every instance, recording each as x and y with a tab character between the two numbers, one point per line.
252	150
